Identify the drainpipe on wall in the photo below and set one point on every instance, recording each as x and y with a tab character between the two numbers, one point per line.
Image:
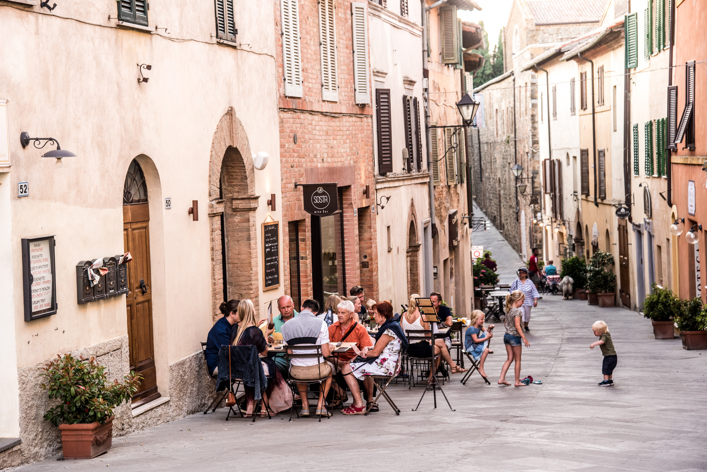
627	147
549	121
671	38
426	105
515	142
594	131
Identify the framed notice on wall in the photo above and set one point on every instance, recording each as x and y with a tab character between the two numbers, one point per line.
271	255
39	277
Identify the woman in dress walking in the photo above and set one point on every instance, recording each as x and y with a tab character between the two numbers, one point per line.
525	285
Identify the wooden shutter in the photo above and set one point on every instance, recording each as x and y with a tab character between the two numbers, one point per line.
648	149
327	42
648	30
461	156
583	90
291	54
554	102
672	116
360	53
404	8
558	189
690	100
600	83
553	186
602	173
434	155
660	25
418	132
450	155
133	11
407	116
584	155
631	41
573	108
383	118
547	174
636	166
449	31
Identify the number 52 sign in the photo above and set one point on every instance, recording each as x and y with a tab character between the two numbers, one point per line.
23	189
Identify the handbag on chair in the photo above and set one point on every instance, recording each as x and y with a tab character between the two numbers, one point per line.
230	398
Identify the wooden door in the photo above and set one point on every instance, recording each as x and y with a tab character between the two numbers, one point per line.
624	267
136	235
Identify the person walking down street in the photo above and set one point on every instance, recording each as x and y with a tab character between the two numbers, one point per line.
513	337
488	262
601	330
525	285
534	271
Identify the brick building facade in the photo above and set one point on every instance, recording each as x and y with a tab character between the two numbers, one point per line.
326	137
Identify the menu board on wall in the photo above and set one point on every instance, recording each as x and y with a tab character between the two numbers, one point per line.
39	277
271	255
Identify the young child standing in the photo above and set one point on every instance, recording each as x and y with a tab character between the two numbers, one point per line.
607	349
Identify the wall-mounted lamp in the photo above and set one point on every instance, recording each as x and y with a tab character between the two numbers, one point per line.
434	271
675	228
382	203
58	153
522	188
260	160
194	210
517	170
692	237
271	202
45	4
366	191
142	79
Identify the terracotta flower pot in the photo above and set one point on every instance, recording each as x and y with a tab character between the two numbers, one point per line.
694	340
86	441
606	300
663	329
593	298
582	294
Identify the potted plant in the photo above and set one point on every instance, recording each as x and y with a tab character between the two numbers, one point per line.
692	323
661	307
601	279
576	268
84	413
482	276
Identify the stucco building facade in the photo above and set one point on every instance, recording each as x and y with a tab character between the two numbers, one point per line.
159	171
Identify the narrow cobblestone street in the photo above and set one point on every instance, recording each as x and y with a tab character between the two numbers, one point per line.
652	419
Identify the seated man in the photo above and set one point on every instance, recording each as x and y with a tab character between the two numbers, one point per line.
221	334
312	306
550	269
286	307
308	329
347	330
358	291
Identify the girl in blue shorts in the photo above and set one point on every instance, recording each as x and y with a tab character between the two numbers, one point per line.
514	335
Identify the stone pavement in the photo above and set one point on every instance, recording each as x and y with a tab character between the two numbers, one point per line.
506	257
652	419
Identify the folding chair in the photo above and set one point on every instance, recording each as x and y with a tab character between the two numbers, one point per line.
426	335
306	351
236	376
382	382
216	401
457	340
474	367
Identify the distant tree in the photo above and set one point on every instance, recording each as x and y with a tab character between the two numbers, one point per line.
493	62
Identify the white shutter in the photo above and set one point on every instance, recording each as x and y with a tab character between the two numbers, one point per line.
291	60
359	32
450	31
327	41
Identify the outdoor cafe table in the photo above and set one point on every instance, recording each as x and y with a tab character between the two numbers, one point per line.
441	332
282	348
497	311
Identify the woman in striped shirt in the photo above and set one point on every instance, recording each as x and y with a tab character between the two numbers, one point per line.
525	285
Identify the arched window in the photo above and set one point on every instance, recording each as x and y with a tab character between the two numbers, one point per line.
135	188
516	40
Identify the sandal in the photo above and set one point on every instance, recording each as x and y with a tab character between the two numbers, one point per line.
338	402
264	414
304	412
372	407
458	370
352	410
323	412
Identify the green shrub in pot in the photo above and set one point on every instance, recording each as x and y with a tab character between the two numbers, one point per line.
692	316
576	268
600	276
661	304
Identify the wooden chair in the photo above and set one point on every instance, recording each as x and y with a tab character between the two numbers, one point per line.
216	401
306	351
426	335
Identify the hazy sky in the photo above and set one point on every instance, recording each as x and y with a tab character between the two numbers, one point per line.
494	14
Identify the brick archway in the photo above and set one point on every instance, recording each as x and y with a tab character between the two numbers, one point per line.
232	205
413	252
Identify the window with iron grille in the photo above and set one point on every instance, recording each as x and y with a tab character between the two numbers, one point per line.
133	11
648	150
383	3
584	155
403	7
636	165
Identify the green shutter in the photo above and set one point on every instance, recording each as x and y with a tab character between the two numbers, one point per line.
635	150
659	147
133	11
648	31
631	41
660	25
665	147
648	148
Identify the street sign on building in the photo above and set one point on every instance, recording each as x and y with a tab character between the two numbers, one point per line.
477	252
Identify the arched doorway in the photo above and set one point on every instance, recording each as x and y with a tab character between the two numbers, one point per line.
413	260
136	238
232	215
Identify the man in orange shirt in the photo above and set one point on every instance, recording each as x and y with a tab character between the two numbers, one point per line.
349	331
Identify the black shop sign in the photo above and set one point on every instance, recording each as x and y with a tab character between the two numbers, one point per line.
320	199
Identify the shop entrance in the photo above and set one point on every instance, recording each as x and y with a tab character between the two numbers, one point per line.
328	262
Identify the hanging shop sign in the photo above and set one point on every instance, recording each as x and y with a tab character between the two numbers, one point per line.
271	255
453	229
647	206
38	277
623	212
320	199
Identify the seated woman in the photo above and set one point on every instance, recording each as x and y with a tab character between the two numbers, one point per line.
380	360
412	320
277	395
477	339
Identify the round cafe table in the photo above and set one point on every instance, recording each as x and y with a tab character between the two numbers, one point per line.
497	310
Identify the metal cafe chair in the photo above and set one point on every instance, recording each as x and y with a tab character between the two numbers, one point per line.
306	351
236	378
216	401
382	382
456	332
426	335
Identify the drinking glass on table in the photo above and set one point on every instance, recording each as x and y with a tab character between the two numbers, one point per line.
277	337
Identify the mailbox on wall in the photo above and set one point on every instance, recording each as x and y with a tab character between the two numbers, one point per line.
112	284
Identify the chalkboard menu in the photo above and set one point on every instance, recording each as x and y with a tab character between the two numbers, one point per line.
38	277
271	255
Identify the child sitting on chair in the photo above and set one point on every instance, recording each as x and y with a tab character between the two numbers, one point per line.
477	338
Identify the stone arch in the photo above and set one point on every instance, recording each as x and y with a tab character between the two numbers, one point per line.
413	252
232	206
